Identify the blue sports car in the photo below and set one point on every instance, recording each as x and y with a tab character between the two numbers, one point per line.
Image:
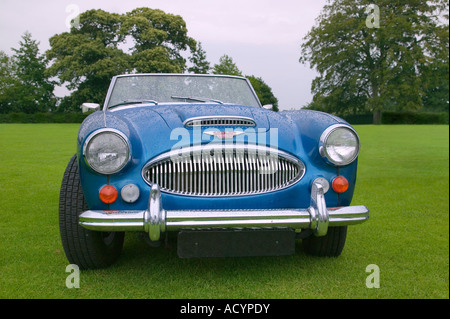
198	158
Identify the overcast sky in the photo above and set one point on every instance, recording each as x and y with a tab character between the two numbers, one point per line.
262	36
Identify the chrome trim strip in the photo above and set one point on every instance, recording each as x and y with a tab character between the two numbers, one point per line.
190	122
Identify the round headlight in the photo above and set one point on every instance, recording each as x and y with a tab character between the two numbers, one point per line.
339	144
107	151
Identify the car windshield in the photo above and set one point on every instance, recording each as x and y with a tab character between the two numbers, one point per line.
167	88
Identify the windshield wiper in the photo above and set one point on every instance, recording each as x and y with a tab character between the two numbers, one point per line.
127	102
197	99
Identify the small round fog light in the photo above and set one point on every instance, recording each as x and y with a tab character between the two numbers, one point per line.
322	181
130	193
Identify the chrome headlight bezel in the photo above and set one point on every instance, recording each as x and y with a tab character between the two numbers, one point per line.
323	145
126	150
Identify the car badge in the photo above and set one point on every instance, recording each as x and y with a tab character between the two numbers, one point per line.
223	135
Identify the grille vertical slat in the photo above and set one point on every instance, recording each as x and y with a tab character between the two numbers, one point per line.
224	171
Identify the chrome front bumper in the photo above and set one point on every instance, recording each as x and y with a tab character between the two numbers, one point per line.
155	220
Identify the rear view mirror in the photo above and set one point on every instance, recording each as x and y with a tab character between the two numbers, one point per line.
86	107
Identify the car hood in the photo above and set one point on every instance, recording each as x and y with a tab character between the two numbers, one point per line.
159	128
176	115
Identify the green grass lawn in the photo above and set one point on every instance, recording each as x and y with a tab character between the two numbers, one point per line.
403	178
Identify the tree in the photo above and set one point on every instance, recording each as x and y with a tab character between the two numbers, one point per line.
159	40
105	44
436	75
87	57
226	66
263	91
371	58
7	83
24	87
198	59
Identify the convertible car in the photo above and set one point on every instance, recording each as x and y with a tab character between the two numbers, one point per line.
198	157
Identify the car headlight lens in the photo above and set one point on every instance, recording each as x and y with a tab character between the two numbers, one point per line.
339	144
107	151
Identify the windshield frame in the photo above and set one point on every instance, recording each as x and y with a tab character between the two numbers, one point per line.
114	80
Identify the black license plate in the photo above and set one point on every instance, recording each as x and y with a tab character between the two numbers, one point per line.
235	243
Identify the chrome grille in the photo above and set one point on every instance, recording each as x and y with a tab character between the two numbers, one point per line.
223	170
219	121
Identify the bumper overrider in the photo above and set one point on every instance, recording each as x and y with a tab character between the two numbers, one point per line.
155	220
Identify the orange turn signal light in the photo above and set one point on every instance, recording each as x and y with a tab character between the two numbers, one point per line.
108	194
340	184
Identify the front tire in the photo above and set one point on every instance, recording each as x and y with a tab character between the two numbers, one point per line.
330	245
85	248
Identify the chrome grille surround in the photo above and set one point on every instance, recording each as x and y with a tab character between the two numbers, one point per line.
223	170
219	121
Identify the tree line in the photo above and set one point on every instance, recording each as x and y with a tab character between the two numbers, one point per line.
370	56
98	46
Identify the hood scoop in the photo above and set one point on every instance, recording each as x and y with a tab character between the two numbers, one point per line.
219	121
